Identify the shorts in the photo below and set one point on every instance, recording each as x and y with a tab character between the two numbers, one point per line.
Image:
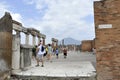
56	54
40	56
65	54
44	54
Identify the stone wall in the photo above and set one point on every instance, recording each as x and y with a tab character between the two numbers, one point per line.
26	56
5	45
13	55
107	29
93	43
86	45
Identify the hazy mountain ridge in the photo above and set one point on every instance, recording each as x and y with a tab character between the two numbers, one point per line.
68	41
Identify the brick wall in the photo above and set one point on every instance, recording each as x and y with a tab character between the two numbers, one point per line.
93	43
86	45
107	14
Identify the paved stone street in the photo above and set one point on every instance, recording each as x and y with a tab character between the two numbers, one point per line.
77	64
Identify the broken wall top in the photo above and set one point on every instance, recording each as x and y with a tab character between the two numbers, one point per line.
6	23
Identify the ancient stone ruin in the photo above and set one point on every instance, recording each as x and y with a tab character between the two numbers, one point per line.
5	45
15	56
107	29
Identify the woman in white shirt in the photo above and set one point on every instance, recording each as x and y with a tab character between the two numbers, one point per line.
49	55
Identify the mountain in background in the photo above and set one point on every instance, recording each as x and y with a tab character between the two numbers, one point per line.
69	41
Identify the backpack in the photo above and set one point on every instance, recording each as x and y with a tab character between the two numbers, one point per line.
42	49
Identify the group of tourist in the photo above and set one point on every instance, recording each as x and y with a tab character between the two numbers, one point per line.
40	52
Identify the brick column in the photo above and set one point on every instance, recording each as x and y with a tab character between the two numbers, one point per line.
107	43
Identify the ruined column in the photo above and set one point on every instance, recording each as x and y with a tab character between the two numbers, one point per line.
32	31
39	39
5	44
54	43
43	41
34	40
43	38
63	42
16	51
27	39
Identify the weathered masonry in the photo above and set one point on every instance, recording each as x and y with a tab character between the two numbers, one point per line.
107	29
87	45
5	45
15	56
54	43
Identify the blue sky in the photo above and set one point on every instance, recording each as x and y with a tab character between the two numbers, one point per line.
54	18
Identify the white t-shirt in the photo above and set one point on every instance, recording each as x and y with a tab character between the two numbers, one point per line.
40	52
49	49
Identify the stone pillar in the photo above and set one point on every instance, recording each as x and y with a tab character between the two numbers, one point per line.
5	44
39	39
34	40
16	51
43	41
27	39
57	43
63	43
52	43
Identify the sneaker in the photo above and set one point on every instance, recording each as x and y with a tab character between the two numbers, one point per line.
37	65
42	65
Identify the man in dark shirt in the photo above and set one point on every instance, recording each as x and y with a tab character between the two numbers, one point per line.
65	52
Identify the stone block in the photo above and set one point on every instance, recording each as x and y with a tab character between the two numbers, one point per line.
87	45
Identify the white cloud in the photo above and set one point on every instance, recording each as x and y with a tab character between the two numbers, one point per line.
65	18
16	16
6	8
62	18
3	8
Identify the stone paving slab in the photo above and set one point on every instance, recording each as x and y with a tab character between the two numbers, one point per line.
62	68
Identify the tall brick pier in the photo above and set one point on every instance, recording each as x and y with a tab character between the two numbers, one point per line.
107	28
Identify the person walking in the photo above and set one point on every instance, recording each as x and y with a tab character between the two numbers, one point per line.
65	52
40	52
94	50
49	55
